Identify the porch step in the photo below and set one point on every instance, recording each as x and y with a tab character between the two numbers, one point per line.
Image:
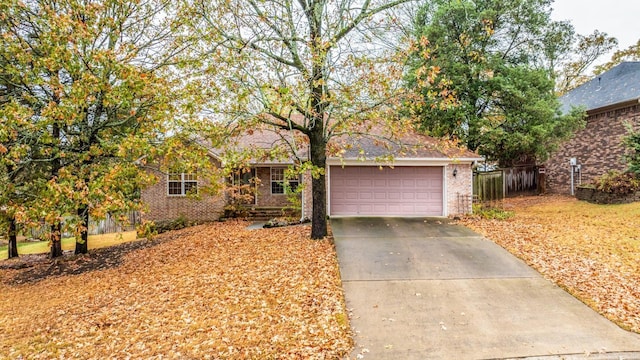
264	214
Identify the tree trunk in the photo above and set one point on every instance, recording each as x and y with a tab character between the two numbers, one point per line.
56	240
82	242
56	228
318	148
13	239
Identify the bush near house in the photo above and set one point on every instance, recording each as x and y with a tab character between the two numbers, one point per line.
614	187
616	182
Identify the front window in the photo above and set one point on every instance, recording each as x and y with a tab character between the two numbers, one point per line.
278	180
182	184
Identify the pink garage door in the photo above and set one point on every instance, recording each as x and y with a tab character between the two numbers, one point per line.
401	191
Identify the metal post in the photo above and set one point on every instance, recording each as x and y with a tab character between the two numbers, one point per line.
572	162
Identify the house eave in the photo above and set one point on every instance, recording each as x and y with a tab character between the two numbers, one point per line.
400	161
270	163
616	106
214	155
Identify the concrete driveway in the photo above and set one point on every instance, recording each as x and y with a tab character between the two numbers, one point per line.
426	289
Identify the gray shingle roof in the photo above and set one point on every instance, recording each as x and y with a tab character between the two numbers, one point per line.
410	144
620	84
407	144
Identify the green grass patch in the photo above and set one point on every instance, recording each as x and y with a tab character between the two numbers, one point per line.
95	242
491	212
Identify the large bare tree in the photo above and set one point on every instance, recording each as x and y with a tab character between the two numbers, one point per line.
316	68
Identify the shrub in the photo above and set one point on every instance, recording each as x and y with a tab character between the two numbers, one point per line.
179	223
284	221
146	229
632	144
615	182
491	212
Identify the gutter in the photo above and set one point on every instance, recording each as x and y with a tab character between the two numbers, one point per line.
615	106
402	161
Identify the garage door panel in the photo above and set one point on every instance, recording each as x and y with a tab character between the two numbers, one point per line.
422	195
402	191
351	208
379	208
409	183
380	196
367	208
351	182
350	196
408	196
409	208
365	195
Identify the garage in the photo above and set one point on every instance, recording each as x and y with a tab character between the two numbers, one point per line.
375	191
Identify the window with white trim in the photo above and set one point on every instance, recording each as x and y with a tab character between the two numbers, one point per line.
278	180
181	184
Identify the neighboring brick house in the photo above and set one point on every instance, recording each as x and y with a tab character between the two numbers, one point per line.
426	177
611	100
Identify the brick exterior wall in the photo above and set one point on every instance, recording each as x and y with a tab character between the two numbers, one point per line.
162	207
265	198
598	148
459	189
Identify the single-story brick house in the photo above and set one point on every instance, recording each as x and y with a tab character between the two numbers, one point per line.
424	177
610	99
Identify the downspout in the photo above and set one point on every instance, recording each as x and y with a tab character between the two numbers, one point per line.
303	207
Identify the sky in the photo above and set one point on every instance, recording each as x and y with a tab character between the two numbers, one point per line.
618	18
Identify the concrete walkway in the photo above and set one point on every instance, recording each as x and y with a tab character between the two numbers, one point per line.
426	289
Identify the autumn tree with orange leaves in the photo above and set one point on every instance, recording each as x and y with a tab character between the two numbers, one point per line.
87	94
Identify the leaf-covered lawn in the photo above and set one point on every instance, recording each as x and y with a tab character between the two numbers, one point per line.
591	250
214	291
69	244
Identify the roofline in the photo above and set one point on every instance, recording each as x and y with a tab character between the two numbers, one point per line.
615	106
395	162
271	163
402	161
212	153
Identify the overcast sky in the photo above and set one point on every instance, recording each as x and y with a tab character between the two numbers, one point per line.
618	18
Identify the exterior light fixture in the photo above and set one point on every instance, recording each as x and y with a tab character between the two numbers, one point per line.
455	170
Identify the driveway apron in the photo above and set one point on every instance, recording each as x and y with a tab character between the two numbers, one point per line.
428	289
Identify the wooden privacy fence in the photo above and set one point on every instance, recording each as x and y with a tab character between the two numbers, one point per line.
108	225
497	184
488	185
520	179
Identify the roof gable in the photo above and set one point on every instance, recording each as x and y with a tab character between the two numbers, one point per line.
373	144
378	144
618	85
266	146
